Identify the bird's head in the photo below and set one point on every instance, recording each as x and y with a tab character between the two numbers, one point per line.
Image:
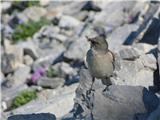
98	43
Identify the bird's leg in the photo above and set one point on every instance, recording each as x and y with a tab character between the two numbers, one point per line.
106	82
93	79
91	89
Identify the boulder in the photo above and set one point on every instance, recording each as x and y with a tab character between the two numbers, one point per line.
48	100
68	22
111	103
91	6
48	55
149	61
28	60
64	69
8	94
20	76
115	101
119	35
129	54
47	31
44	3
30	48
50	82
143	47
155	115
133	73
6	5
9	63
77	50
12	58
34	13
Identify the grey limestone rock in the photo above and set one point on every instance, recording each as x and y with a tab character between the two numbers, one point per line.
50	82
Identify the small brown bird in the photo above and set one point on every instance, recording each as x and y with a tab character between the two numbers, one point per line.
100	60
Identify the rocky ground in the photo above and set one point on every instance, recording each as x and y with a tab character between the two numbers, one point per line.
43	70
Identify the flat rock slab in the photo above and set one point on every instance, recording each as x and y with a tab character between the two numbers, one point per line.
41	116
123	103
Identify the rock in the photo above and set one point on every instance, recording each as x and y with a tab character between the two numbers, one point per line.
21	75
47	31
114	101
139	9
133	73
64	102
15	21
30	48
6	5
155	115
88	31
60	37
81	15
53	13
77	50
44	3
152	33
68	22
112	19
50	48
20	18
119	35
12	59
48	100
5	19
51	32
159	55
73	8
34	13
82	99
3	116
8	94
50	82
149	61
64	69
9	63
2	78
91	6
129	54
28	60
39	116
7	31
49	54
143	47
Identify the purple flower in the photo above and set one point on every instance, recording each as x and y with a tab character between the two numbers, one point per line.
20	21
37	75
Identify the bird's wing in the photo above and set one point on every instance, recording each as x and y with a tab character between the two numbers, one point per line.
113	55
113	58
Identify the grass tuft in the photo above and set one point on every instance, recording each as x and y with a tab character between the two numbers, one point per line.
23	31
25	97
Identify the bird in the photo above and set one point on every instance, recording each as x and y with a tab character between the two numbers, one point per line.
100	60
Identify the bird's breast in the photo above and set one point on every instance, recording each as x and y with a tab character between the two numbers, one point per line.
99	65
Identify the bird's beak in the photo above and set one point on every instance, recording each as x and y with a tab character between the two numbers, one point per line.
90	39
87	38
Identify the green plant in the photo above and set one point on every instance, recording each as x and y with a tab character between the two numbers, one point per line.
24	31
51	72
24	97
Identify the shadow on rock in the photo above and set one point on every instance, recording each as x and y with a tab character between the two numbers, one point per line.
41	116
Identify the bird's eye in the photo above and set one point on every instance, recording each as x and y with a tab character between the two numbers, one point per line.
94	42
